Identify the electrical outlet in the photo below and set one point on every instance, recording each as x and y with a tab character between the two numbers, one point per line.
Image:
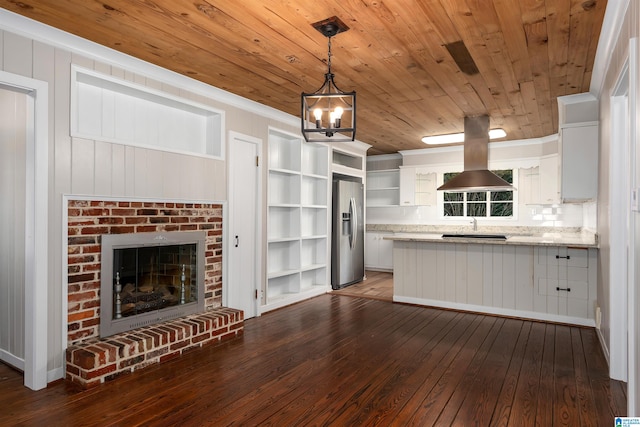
598	317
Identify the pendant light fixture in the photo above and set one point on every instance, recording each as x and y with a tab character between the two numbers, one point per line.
329	114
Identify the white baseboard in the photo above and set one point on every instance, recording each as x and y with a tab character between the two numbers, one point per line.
497	311
12	360
55	374
603	344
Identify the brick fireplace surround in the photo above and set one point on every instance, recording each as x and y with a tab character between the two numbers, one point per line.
91	360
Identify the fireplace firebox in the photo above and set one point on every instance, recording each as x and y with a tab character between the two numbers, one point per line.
147	278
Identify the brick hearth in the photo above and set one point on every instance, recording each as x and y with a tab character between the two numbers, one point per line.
95	361
91	360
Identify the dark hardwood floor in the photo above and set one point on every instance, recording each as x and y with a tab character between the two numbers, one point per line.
377	285
345	361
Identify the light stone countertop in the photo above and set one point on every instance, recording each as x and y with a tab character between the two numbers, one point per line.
523	236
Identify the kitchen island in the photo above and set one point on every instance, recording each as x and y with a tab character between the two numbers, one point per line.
549	276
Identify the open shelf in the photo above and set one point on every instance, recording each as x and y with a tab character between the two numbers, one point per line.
298	220
284	188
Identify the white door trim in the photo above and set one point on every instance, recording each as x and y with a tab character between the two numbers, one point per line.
36	228
619	187
633	308
234	136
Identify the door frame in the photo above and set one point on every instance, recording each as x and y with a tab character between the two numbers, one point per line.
633	308
36	227
619	225
237	136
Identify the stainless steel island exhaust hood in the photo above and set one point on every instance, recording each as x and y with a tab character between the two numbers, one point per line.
476	175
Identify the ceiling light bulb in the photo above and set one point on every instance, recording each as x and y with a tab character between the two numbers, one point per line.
338	112
332	119
317	113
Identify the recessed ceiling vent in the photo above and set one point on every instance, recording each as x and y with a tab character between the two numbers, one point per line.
476	175
462	57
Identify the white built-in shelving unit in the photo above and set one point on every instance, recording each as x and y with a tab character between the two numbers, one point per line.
383	180
298	220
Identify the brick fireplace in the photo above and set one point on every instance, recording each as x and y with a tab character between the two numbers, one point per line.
91	360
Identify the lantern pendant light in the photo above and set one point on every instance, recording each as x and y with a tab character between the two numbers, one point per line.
329	114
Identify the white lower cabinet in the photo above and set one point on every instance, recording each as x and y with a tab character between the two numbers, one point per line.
546	283
566	278
378	252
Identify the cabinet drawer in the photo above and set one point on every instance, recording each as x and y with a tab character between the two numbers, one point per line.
554	287
570	257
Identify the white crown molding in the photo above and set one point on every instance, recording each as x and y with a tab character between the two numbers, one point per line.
609	35
46	34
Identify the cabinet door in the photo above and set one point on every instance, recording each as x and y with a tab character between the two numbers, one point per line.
385	252
378	252
407	186
371	249
417	186
548	180
579	163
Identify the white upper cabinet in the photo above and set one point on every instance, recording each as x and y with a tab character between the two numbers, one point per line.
417	186
578	147
549	186
579	162
407	186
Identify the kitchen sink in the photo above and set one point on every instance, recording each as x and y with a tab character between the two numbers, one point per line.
475	236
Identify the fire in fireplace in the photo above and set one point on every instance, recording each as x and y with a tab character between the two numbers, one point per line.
147	278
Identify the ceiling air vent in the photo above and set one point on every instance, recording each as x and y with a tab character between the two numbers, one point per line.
462	57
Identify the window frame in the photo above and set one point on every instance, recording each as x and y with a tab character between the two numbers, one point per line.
440	200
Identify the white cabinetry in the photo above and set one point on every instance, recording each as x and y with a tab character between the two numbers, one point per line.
417	186
578	144
407	186
378	251
297	220
565	277
539	185
549	188
383	188
513	280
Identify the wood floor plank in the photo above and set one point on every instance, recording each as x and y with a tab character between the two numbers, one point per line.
584	395
546	393
609	395
504	403
338	360
524	408
565	401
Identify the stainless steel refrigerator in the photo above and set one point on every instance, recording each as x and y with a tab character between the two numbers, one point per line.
347	234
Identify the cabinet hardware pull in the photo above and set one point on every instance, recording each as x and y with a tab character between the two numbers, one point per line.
237	241
563	257
563	289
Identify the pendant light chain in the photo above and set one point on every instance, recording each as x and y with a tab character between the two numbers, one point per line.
329	56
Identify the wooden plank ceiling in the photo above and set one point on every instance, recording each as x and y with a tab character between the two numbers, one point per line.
397	54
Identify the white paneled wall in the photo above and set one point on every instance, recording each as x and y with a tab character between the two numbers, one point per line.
13	142
96	167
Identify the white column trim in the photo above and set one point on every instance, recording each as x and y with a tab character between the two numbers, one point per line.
36	228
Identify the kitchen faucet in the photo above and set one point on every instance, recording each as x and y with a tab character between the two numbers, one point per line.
474	221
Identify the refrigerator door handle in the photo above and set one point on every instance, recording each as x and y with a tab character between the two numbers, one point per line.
354	222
